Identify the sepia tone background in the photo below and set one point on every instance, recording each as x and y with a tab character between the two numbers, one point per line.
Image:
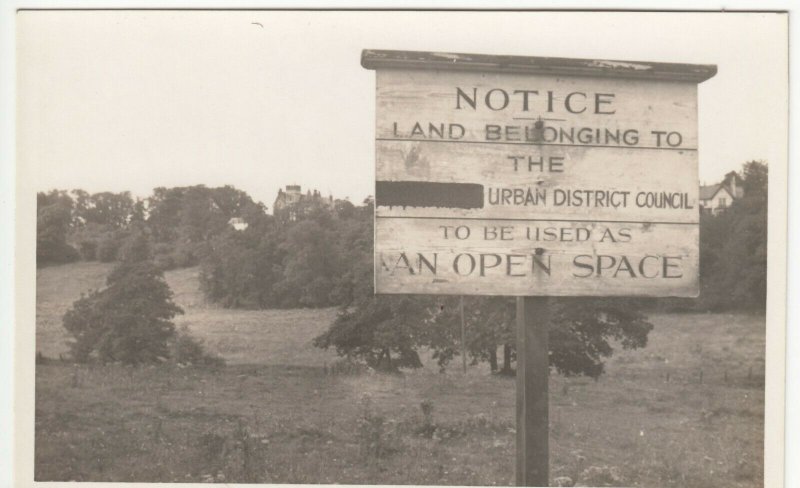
63	145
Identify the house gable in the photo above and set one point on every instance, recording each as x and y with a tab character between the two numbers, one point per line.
722	188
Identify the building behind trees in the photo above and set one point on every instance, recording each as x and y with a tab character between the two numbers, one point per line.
716	198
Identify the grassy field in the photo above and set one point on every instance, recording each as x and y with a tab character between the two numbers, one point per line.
687	411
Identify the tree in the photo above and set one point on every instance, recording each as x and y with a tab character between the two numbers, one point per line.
106	208
733	247
489	323
195	213
389	331
101	221
53	220
344	209
129	320
386	332
164	208
582	331
380	330
309	262
242	268
184	220
138	211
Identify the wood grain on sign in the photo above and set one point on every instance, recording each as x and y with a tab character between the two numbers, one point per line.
503	175
405	98
534	258
548	172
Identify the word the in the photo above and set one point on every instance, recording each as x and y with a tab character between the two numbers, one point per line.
553	164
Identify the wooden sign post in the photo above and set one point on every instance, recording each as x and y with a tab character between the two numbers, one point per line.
533	452
535	177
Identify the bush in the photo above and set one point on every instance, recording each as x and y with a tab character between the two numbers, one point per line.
56	253
129	321
187	350
107	249
88	250
164	262
347	366
183	257
162	257
384	332
378	437
134	248
177	254
427	426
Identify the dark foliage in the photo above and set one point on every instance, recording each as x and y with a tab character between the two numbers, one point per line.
583	331
194	214
310	261
181	221
53	220
186	350
241	269
489	324
384	332
734	248
87	250
128	321
112	210
316	255
387	332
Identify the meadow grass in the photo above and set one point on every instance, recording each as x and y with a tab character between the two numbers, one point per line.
276	414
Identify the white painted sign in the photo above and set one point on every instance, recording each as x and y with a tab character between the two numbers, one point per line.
535	176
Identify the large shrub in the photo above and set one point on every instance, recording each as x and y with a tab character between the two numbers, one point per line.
187	350
88	250
108	249
128	321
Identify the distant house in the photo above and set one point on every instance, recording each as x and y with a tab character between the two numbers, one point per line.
716	198
292	202
238	223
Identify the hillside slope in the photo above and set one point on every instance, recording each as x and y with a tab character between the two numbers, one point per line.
240	336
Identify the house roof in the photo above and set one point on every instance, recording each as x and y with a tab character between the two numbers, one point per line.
708	192
737	188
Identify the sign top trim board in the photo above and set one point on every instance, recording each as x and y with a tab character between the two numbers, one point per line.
387	59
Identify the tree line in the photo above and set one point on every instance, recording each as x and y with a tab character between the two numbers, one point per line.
322	256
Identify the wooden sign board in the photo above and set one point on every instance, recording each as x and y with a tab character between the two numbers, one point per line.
501	175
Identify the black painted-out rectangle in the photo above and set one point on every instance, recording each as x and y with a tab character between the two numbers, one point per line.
428	194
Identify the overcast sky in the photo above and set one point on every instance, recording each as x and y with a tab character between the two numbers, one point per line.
134	100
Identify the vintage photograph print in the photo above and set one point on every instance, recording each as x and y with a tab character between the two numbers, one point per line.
397	247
